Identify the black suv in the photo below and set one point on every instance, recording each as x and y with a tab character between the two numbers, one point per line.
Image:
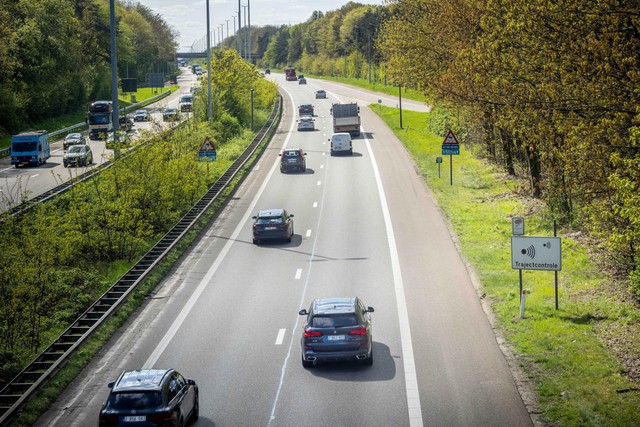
305	110
293	159
272	224
337	329
151	397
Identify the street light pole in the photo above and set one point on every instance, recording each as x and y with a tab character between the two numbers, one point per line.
210	101
227	28
239	29
400	102
251	109
115	115
244	45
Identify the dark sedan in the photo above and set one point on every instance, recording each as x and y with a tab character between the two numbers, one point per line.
337	329
272	224
78	155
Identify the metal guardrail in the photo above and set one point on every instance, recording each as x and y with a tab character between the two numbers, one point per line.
5	151
18	392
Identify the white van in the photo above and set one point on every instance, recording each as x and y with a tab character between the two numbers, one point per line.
341	143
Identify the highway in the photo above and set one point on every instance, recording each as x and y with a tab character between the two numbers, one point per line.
17	184
365	225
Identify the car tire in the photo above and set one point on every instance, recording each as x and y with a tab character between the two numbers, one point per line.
369	360
307	364
351	152
255	241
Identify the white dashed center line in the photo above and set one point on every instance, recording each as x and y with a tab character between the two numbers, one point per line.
280	336
298	273
308	233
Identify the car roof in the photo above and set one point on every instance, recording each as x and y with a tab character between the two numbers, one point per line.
334	305
270	212
141	111
144	379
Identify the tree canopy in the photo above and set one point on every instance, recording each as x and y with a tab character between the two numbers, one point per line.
55	54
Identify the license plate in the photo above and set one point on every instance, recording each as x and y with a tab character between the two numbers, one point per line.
271	228
134	418
335	337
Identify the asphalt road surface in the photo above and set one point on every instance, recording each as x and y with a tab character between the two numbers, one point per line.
366	226
17	184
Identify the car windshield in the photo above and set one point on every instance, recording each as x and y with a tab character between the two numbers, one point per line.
73	136
270	220
76	149
334	321
135	400
140	113
100	119
170	111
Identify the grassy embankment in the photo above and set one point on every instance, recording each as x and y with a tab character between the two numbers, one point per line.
578	379
71	119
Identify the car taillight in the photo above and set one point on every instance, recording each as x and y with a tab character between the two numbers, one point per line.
108	420
161	417
309	334
358	331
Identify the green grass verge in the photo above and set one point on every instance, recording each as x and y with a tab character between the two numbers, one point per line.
563	351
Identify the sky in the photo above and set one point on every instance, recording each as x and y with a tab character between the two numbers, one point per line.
189	17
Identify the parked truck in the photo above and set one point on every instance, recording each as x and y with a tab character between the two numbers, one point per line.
290	74
346	118
100	119
30	148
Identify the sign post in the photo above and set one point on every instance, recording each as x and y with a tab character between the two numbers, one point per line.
451	147
439	162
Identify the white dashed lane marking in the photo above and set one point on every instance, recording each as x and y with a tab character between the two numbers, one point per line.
280	336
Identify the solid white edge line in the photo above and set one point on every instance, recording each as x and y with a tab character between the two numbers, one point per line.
410	378
173	329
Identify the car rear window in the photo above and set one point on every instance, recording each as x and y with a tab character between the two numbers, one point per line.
334	321
135	400
270	220
291	153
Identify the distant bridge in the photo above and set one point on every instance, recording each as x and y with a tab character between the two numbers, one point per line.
199	50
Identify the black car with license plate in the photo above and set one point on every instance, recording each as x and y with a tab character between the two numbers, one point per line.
337	329
305	110
150	397
272	224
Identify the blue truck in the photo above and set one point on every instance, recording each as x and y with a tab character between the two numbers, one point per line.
30	148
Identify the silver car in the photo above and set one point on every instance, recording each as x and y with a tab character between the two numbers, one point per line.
72	139
306	123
